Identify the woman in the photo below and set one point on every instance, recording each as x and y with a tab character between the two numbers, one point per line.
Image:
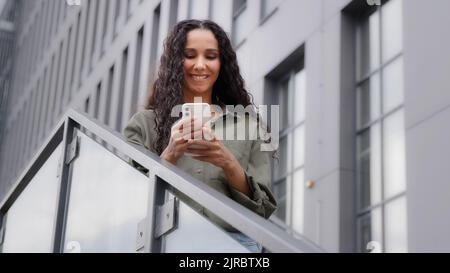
199	62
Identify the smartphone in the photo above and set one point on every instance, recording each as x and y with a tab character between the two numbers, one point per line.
200	111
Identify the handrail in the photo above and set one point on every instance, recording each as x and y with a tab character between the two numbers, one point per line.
268	234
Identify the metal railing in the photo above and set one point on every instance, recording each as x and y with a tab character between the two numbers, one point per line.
162	176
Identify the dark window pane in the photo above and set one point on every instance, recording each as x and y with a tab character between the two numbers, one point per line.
238	5
280	165
364	168
283	101
370	232
279	190
368	100
369	45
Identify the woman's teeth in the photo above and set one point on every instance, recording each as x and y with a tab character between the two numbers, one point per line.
199	78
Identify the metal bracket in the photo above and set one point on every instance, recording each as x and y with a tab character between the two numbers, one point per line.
140	237
166	218
72	151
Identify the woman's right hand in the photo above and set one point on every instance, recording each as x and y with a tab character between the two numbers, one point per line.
182	134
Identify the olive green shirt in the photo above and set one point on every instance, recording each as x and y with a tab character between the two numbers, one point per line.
141	130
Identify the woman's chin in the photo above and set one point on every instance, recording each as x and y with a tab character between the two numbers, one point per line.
199	92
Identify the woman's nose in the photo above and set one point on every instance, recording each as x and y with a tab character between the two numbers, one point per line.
199	65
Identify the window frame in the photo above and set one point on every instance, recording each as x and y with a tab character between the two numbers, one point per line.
236	13
365	212
264	14
286	133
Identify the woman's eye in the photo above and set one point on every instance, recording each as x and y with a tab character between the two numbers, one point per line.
189	56
211	57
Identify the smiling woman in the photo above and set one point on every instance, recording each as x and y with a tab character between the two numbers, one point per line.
199	63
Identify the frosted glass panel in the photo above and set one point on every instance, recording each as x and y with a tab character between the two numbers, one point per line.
108	198
196	234
394	155
30	220
396	226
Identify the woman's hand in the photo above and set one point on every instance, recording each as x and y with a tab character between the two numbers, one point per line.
182	134
214	152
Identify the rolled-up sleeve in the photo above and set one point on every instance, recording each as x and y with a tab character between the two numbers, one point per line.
258	174
135	133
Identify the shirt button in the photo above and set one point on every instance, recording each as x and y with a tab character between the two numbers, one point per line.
199	171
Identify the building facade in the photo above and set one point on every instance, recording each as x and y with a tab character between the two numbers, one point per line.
362	88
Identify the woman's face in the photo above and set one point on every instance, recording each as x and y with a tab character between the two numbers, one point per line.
201	62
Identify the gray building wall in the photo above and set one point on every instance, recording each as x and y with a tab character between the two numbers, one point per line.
102	60
427	102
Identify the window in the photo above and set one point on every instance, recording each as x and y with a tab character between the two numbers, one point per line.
64	78
108	95
98	97
86	105
85	39
77	35
116	16
128	12
288	171
199	9
122	90
154	42
240	21
106	26
268	7
173	13
94	36
137	73
381	167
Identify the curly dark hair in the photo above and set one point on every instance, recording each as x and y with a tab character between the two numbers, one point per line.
167	90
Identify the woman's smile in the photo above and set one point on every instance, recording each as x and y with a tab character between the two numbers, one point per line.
199	78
